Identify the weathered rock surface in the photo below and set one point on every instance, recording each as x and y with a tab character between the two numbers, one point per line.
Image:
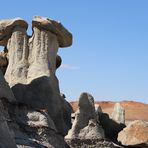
34	128
90	143
33	62
64	37
17	51
118	114
7	26
86	130
85	125
39	116
135	134
4	61
6	134
5	91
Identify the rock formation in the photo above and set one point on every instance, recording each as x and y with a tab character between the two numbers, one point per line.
118	114
85	125
40	116
4	61
86	130
135	134
32	63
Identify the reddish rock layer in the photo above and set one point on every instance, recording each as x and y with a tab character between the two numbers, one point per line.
133	110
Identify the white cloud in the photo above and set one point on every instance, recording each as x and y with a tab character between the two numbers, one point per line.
69	67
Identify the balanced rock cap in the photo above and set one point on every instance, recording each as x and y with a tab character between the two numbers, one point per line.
7	26
63	35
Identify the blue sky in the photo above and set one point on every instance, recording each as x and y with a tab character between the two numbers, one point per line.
109	55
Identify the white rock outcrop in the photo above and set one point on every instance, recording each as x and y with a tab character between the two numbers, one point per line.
118	114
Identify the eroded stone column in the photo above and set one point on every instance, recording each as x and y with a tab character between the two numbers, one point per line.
43	48
42	56
18	57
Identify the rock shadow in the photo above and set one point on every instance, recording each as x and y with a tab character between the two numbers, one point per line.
111	128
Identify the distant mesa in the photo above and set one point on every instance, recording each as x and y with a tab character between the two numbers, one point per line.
133	110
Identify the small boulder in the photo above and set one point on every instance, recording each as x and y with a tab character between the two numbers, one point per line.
135	134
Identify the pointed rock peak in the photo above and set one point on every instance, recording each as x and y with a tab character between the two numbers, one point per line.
63	35
7	26
86	102
98	108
